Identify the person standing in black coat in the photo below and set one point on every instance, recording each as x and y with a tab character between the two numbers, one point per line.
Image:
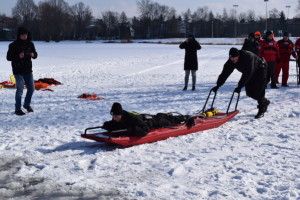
253	69
191	45
251	44
20	53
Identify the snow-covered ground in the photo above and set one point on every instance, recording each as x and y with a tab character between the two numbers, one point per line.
44	157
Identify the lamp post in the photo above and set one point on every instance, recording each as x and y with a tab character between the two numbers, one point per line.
212	29
266	14
235	6
288	7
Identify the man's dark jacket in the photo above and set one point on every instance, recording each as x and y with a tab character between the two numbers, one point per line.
24	65
134	124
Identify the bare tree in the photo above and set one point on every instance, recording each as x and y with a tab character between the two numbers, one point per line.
81	16
25	12
111	21
145	8
274	13
123	18
251	16
298	9
55	21
201	14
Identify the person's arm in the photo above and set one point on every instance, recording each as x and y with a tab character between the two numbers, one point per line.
227	70
198	45
12	54
109	125
183	45
33	52
261	49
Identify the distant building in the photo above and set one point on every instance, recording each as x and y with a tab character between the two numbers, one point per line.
7	28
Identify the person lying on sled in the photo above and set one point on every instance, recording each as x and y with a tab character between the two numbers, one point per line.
138	125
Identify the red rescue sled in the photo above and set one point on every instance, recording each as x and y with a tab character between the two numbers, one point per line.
201	124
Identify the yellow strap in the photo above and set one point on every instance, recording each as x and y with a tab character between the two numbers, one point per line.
132	112
210	113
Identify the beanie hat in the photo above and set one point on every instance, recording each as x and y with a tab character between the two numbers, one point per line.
257	33
286	34
22	30
268	33
251	36
191	35
116	109
234	52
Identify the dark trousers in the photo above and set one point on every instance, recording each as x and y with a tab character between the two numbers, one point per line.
161	120
256	86
21	80
271	68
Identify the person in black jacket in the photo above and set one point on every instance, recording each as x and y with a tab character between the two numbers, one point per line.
20	53
253	69
191	45
122	119
251	44
138	125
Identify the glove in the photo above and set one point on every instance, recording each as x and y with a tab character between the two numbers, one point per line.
237	89
215	89
106	126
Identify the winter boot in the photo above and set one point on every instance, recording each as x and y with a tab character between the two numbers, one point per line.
262	109
193	88
19	112
190	122
185	88
28	108
260	113
274	86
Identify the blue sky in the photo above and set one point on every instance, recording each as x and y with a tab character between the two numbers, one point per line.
129	6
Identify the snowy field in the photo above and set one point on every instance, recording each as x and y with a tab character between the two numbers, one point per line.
44	157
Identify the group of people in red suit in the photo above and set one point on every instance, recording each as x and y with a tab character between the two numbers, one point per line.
277	54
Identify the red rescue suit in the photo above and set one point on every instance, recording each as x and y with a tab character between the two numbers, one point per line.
269	50
286	48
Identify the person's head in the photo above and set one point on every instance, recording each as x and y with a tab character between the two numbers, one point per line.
285	36
257	35
116	111
22	33
234	55
269	35
191	36
251	36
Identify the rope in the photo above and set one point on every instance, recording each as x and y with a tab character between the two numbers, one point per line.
274	104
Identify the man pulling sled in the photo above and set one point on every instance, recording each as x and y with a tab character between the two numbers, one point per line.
253	69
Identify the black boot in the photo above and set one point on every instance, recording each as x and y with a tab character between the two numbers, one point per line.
260	113
190	122
185	88
262	109
19	112
28	108
194	88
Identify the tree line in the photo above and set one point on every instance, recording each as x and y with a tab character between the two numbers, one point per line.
56	20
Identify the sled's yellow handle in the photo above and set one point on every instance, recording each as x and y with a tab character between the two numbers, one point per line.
12	79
